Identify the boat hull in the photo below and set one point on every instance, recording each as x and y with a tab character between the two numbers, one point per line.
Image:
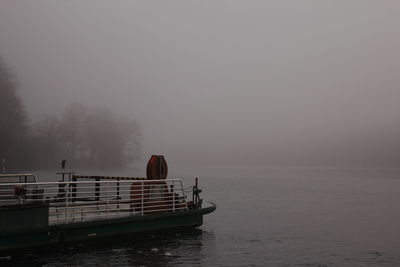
72	232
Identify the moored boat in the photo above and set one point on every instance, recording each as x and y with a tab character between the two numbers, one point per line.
80	207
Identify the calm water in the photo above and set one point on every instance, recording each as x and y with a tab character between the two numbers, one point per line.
266	217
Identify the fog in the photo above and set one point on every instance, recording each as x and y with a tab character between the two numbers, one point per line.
220	82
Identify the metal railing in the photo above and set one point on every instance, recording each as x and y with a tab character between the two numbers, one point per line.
79	201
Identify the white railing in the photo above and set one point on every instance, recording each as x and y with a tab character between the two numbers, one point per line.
81	201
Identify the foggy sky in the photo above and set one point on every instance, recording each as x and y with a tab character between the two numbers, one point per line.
230	82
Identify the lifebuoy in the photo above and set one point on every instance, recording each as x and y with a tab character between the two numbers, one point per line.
157	168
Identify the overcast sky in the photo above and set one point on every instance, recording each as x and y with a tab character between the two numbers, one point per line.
229	82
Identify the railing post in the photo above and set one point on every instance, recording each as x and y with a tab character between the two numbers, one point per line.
183	195
66	201
74	188
107	202
196	197
118	197
97	189
142	197
173	196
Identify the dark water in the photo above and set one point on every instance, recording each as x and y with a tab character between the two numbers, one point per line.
266	217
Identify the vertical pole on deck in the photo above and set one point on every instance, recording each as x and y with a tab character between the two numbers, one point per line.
173	196
196	186
66	201
118	198
107	204
97	189
142	197
74	188
159	168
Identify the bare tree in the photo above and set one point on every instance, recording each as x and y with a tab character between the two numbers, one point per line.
112	141
96	138
71	130
13	119
48	127
103	138
131	135
45	141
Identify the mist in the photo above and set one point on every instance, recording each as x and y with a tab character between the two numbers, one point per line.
220	82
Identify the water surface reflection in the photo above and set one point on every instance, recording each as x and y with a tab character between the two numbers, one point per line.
159	249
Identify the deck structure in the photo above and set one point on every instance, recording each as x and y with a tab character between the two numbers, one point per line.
83	207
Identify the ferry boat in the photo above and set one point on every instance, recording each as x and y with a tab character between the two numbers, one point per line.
79	208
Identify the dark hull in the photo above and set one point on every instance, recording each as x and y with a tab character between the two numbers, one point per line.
65	233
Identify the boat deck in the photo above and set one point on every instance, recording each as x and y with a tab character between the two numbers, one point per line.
90	200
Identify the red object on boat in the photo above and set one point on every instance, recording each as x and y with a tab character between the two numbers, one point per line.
150	196
157	168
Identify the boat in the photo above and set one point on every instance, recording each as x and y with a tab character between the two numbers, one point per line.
80	207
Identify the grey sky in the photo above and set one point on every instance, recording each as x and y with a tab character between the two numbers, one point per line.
226	81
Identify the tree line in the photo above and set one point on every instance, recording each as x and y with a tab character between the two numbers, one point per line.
93	138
